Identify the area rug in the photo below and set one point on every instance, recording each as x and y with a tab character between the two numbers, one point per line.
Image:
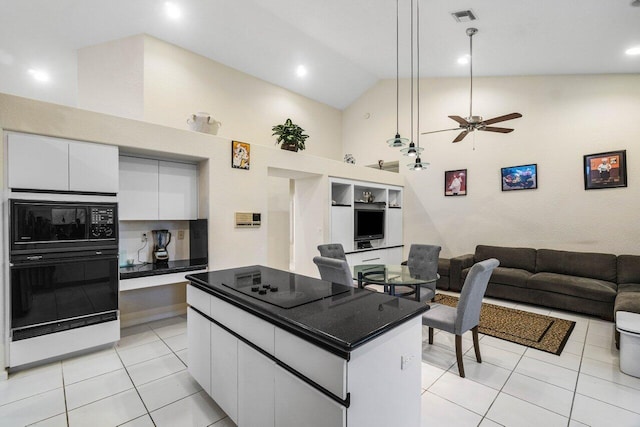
541	332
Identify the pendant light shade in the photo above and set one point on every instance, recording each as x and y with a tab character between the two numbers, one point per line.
412	150
418	165
397	141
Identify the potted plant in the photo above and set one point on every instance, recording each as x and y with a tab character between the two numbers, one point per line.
290	135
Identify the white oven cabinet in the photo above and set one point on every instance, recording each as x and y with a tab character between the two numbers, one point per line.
153	189
39	162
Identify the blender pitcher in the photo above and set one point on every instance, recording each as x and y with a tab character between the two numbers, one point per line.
161	239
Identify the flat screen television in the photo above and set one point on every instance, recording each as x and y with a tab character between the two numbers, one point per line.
368	224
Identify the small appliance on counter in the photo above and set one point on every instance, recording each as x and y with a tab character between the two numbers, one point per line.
161	239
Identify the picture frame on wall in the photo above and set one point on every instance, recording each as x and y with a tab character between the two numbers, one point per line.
523	177
455	182
240	155
605	170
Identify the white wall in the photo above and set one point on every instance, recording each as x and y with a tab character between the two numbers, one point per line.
564	118
145	78
111	77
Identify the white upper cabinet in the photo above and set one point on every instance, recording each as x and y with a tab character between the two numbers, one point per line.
178	190
93	167
138	195
43	163
155	189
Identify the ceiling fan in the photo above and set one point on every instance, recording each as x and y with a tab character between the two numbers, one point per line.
472	123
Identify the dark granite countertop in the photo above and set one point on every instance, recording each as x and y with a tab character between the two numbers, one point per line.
150	269
338	323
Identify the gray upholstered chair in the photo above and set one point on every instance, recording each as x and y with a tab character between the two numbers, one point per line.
334	270
466	315
423	262
332	250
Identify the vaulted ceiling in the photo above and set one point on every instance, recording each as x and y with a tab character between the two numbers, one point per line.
345	45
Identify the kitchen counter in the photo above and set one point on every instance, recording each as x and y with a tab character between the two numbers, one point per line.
150	269
308	352
339	323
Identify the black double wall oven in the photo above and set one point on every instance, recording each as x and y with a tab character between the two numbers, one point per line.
63	266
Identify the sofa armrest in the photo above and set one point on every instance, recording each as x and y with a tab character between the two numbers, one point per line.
458	264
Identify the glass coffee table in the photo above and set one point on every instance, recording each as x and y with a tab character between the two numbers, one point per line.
391	276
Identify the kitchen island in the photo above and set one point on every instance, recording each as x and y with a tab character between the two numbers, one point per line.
274	348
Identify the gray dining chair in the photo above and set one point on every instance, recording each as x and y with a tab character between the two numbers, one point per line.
466	316
334	270
332	250
423	262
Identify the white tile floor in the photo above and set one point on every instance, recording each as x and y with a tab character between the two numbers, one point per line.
143	381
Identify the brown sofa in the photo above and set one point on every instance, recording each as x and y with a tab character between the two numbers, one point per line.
590	283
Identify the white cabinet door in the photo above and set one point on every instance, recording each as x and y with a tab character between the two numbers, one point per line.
37	163
342	226
394	227
224	371
199	342
178	190
93	167
298	404
256	385
138	195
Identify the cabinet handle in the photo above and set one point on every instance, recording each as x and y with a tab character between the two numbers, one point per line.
370	259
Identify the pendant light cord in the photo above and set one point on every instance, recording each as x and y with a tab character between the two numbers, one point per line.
471	74
397	67
418	72
412	71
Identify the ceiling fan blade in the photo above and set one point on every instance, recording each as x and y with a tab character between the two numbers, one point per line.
441	130
461	136
460	120
502	118
496	129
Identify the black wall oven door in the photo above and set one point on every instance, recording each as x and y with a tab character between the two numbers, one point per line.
53	292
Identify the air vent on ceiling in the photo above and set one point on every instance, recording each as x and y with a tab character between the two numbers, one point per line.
464	16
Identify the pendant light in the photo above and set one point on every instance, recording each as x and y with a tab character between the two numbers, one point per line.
418	164
397	141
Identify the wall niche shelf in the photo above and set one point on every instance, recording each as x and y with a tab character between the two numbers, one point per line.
347	197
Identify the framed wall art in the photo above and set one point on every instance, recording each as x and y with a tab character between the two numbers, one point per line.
605	170
523	177
455	183
240	155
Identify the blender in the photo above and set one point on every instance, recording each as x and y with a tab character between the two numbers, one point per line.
161	239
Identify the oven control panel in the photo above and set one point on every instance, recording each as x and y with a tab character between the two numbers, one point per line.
103	222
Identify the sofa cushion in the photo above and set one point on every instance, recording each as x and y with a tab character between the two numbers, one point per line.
506	276
627	301
629	287
443	266
581	264
583	287
628	269
522	258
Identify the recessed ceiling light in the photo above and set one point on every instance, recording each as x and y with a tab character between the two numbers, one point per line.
633	50
301	71
172	10
39	75
463	60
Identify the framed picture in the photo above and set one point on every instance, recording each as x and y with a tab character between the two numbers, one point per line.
240	155
605	170
523	177
455	183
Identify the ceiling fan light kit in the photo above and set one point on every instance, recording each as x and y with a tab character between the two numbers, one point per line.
473	123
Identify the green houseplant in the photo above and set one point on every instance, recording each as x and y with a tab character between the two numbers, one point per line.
290	135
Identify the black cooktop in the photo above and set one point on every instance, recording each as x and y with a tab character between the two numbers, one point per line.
280	288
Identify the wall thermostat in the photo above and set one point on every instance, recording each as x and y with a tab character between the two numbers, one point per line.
247	219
